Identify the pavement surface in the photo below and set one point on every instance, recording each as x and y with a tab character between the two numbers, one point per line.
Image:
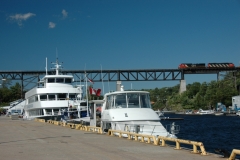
31	140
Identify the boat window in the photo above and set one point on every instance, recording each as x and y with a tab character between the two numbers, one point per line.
68	80
109	102
120	101
133	100
145	101
56	111
72	96
51	80
37	112
62	96
83	104
51	97
43	97
59	80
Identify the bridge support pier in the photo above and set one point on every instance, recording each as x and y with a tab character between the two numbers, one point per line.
182	86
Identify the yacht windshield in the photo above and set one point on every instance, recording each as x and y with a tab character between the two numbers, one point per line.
128	100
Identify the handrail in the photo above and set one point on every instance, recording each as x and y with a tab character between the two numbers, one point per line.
94	129
156	141
233	154
178	141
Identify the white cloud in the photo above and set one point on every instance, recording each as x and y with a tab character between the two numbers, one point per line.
64	13
52	25
21	17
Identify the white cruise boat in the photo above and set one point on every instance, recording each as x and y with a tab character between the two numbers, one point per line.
131	111
55	96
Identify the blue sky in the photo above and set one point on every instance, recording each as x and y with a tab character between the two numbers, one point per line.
119	34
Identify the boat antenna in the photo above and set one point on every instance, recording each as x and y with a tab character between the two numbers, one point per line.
56	54
46	66
58	65
80	79
102	79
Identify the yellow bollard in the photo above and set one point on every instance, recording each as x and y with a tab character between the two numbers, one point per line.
177	145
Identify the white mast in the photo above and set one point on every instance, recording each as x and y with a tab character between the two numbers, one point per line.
102	80
46	66
86	93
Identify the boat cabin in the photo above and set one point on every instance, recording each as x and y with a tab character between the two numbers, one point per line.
128	99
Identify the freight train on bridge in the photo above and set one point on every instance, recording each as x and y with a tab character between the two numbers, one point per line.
207	66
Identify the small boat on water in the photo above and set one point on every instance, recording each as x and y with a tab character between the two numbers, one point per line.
131	111
56	97
205	112
219	114
238	113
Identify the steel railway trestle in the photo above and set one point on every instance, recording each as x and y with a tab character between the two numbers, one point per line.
30	77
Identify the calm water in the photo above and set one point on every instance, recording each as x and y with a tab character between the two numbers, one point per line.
213	131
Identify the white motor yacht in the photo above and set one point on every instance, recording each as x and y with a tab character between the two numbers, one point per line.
131	111
205	112
56	96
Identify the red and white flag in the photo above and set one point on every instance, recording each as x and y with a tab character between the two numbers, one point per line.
90	80
98	93
94	91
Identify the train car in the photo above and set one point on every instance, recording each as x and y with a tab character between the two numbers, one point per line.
220	65
191	65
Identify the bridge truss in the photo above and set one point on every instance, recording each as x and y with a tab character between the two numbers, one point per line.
26	78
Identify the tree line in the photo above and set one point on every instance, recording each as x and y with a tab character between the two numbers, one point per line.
198	95
9	92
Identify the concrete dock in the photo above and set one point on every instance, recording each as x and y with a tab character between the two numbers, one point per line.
31	140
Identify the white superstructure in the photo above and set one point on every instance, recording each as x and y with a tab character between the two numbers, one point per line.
53	95
131	111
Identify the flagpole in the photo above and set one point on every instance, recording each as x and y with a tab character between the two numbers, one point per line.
86	94
102	80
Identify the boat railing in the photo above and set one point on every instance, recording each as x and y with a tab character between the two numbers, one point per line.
40	87
56	113
172	128
150	129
